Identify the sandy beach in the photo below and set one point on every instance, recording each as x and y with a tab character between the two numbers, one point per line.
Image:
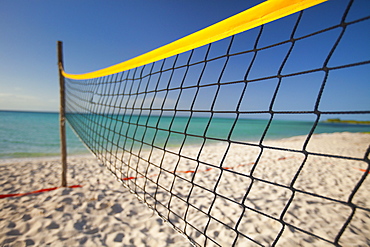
104	213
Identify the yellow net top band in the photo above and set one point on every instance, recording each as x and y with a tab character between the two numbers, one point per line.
263	13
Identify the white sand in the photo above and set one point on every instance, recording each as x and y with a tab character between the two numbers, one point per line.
101	213
104	213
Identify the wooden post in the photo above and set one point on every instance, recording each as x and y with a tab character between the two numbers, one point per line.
62	127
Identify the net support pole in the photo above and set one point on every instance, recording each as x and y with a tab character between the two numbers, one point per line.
62	127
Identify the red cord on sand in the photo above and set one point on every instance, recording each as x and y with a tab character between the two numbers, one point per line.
37	191
364	170
226	168
189	171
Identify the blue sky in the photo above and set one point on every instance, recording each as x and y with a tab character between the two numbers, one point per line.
97	34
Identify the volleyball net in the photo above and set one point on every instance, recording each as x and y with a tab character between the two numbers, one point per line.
190	128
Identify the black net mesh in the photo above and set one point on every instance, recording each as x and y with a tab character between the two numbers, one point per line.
194	136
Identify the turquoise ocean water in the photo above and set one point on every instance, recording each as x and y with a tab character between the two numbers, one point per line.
35	134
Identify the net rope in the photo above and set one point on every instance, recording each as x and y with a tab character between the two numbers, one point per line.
181	134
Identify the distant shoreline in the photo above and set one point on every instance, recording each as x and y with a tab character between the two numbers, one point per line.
337	120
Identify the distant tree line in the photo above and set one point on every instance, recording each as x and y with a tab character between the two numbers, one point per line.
338	120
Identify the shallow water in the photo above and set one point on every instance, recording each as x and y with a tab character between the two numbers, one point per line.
36	134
